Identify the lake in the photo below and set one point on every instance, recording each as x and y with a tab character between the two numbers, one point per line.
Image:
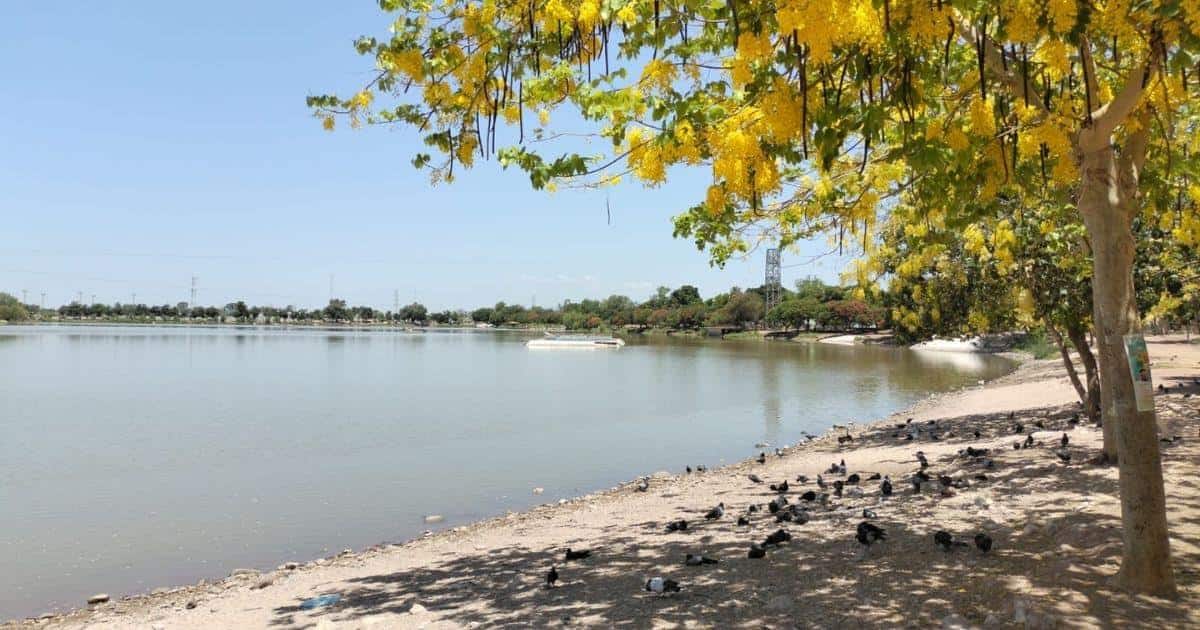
133	458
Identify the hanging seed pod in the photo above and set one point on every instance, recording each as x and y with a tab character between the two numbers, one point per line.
980	43
1025	73
946	49
737	29
887	16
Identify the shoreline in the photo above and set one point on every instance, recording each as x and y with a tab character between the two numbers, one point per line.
225	602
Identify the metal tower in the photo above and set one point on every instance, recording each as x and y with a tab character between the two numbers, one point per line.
773	283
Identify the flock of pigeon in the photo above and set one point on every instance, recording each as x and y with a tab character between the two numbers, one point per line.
845	483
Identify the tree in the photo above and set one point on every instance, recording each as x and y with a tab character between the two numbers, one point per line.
415	312
744	307
685	295
816	114
11	309
336	311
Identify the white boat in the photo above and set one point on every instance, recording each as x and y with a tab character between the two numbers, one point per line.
575	341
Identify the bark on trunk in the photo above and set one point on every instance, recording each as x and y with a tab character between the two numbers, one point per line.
1092	375
1106	201
1065	353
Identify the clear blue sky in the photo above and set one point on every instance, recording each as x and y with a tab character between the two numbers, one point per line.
144	142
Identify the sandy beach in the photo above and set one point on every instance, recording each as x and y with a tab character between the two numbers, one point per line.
1055	526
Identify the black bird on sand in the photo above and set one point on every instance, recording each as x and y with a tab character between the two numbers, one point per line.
1028	441
780	536
715	513
689	470
1018	428
695	560
752	509
837	488
820	482
643	484
916	484
868	534
885	488
775	505
921	458
853	479
578	555
1016	446
874	476
1064	456
922	475
755	478
869	513
945	480
677	526
762	458
977	434
944	540
801	479
983	542
757	551
1064	441
551	577
780	487
1039	424
660	586
743	521
701	468
809	496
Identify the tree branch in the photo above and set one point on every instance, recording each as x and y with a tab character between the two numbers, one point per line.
1109	116
1018	85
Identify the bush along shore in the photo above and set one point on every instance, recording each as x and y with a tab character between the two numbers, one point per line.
996	517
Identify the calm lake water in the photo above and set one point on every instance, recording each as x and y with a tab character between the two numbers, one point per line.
132	458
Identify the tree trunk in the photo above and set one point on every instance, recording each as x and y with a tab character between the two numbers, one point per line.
1065	353
1107	203
1092	375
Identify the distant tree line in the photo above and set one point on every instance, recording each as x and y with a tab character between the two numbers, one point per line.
812	305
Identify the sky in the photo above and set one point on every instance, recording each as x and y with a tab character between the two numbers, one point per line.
146	143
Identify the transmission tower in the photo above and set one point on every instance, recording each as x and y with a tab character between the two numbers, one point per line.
774	277
192	300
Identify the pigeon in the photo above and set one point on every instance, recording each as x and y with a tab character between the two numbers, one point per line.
843	439
1039	424
868	513
874	477
945	480
869	534
977	434
689	470
944	540
1064	456
701	468
921	458
660	586
981	477
752	509
801	479
551	577
885	488
715	513
916	483
1065	440
778	452
1161	389
677	526
755	478
853	479
842	467
923	476
820	482
1028	440
833	469
1018	428
774	506
983	542
695	561
578	555
837	488
743	521
781	487
757	551
762	458
780	536
643	484
1016	446
809	496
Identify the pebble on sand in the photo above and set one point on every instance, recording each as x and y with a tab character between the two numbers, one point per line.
538	490
97	599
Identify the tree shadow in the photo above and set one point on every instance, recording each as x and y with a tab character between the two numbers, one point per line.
1056	528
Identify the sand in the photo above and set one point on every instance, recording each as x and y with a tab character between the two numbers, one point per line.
1056	529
